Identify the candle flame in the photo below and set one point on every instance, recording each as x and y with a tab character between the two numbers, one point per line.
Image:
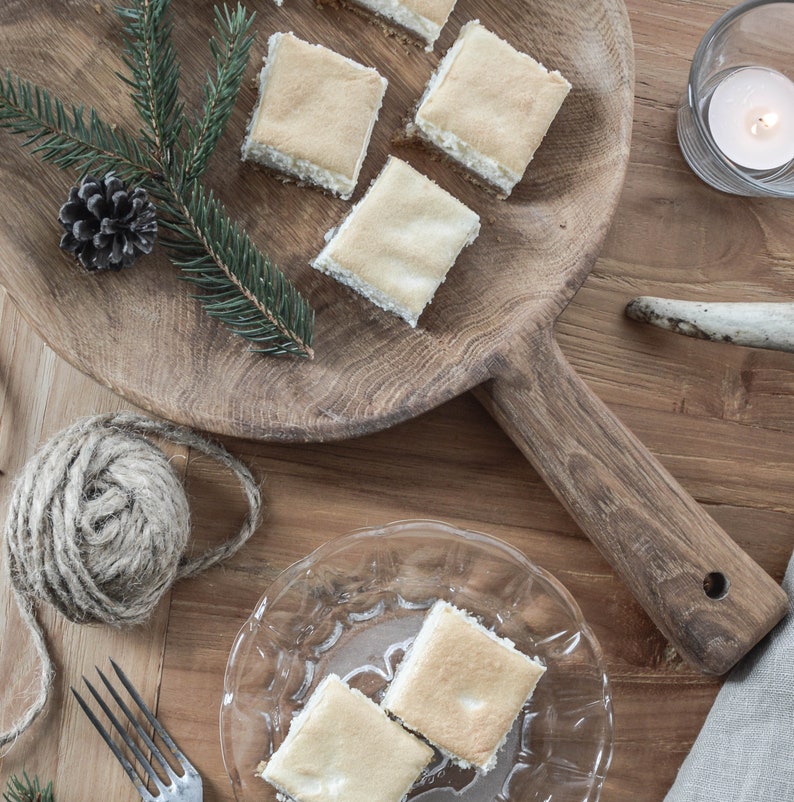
764	123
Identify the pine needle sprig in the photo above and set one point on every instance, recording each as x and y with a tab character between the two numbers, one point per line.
63	137
240	286
229	48
27	790
154	72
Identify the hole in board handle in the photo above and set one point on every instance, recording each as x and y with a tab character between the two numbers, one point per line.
716	585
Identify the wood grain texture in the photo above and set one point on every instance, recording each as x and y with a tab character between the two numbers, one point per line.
720	418
706	595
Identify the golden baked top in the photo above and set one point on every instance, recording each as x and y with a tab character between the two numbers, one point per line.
436	11
404	235
343	748
315	104
460	686
493	97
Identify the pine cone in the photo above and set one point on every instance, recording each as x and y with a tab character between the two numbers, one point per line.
106	226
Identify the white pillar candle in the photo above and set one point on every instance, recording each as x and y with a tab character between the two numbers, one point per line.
751	117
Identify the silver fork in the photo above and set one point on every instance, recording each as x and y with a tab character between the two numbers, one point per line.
185	787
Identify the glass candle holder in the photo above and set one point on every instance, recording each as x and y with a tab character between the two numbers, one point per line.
736	120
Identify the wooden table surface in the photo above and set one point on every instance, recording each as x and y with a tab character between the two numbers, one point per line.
719	417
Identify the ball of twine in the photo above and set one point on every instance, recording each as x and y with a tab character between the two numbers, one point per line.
98	525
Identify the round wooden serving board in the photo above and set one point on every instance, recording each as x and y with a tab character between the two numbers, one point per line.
142	334
490	325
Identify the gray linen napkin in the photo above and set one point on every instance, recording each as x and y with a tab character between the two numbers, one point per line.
745	751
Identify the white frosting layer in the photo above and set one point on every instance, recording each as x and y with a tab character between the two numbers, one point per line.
301	169
404	17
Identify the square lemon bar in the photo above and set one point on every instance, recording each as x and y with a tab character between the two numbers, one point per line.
342	747
461	687
423	18
315	113
399	241
488	106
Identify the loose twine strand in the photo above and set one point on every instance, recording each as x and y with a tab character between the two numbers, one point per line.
98	524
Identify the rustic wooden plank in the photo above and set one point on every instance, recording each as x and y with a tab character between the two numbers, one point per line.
635	364
41	395
656	695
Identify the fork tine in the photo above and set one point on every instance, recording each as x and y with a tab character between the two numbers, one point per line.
147	767
138	728
128	767
158	727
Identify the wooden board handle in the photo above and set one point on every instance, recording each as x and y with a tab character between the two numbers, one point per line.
703	592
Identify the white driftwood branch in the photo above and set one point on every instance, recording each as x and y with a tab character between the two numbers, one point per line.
755	324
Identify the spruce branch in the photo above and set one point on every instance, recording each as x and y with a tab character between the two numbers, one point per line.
154	72
63	137
229	48
241	287
27	790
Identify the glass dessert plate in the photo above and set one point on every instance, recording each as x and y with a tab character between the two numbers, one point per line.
354	605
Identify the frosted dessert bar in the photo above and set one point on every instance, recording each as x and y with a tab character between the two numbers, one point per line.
314	114
399	241
342	747
423	18
461	687
489	106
